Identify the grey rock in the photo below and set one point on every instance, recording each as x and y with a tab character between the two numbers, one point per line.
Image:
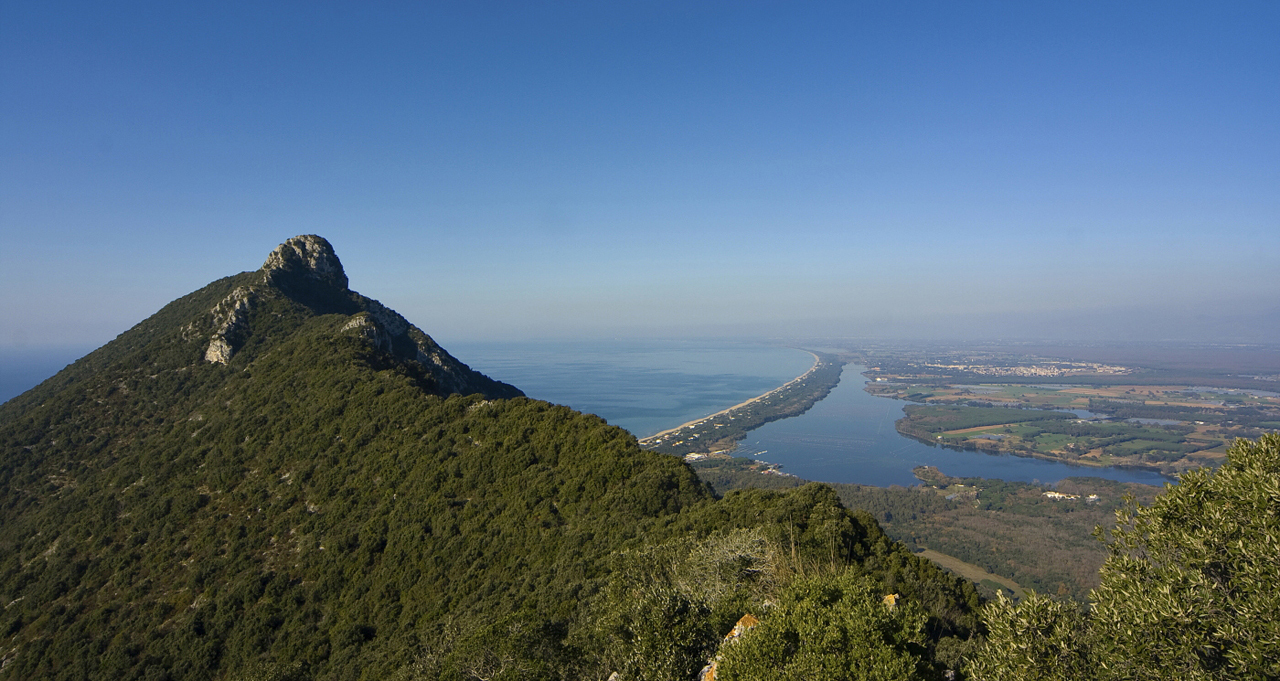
230	320
307	256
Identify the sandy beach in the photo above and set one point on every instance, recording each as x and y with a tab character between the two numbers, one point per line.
722	412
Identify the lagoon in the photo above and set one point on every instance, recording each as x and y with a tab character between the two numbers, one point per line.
649	386
850	437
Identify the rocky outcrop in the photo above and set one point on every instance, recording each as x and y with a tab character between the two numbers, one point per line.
231	324
386	317
305	257
744	623
306	270
386	330
365	326
306	261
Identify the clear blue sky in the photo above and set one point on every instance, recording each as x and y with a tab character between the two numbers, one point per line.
501	170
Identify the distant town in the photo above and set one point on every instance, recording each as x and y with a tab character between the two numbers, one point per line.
1047	369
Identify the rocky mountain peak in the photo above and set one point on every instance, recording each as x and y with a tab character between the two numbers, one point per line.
305	257
306	272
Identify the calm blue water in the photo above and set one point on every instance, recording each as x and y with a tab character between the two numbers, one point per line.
643	386
849	437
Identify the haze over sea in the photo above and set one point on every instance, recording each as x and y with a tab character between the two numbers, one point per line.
648	386
644	386
23	368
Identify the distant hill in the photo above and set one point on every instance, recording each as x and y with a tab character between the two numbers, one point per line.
277	477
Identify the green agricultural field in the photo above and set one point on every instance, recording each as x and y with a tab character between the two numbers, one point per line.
951	418
1061	436
989	582
1054	441
1172	428
1030	393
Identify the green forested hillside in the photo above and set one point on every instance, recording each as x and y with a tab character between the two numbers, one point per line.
1007	528
275	477
1190	589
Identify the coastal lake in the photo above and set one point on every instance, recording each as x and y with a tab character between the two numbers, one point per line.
850	437
649	386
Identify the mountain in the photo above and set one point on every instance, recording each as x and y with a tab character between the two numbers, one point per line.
277	477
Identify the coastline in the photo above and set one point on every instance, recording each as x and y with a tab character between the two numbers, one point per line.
723	412
722	431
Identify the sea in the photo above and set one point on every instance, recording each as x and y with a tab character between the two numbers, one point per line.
23	368
643	386
647	386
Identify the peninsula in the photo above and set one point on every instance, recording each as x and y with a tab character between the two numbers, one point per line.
721	431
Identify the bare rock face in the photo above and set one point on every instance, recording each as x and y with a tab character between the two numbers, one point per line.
306	260
305	257
387	318
230	318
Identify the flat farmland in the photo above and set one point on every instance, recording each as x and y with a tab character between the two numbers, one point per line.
1167	428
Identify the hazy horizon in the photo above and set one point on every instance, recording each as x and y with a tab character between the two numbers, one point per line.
1068	171
23	368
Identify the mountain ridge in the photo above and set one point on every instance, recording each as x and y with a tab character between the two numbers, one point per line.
314	501
286	273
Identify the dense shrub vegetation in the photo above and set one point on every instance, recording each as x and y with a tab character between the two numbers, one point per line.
315	509
318	508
